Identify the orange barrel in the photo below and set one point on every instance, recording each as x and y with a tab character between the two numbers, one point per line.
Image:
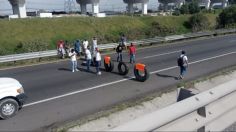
107	59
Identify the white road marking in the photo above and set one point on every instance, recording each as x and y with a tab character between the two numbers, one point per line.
122	80
232	41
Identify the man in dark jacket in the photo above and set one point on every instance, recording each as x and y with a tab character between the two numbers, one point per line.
77	47
119	49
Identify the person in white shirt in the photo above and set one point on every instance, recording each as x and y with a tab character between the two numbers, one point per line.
98	61
95	44
183	64
73	55
88	57
85	44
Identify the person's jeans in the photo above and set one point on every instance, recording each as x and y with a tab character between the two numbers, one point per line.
74	65
119	57
88	64
98	64
183	70
132	58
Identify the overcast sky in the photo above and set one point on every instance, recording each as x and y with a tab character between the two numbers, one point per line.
59	5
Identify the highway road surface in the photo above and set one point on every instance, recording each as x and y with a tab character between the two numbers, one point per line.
57	95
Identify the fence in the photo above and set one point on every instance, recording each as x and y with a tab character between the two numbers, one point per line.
212	110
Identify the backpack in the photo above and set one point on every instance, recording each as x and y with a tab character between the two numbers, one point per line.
180	61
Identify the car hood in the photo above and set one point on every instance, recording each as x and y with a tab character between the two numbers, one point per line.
9	83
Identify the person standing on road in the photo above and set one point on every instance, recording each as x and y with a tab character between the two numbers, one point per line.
119	49
61	48
98	61
72	55
183	64
123	41
94	44
132	52
85	44
93	51
88	57
77	47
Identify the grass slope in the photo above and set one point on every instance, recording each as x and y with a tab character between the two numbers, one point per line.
27	35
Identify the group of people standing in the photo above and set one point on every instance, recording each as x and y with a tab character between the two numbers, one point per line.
93	55
122	45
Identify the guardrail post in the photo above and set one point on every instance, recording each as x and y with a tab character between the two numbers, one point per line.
202	129
202	111
183	94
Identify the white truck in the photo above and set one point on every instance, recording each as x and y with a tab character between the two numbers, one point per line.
12	97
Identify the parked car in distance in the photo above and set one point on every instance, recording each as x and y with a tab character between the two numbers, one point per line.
12	97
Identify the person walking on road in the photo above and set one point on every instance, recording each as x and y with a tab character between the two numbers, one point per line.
183	64
88	57
72	55
132	52
119	49
98	61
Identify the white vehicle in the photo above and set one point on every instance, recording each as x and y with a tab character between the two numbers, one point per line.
12	97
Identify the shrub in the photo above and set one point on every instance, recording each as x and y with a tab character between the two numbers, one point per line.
198	22
184	9
190	8
176	12
159	30
193	7
227	17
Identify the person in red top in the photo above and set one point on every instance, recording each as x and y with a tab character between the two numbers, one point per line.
61	48
132	52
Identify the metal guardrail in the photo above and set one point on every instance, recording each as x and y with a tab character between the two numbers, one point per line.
156	40
195	113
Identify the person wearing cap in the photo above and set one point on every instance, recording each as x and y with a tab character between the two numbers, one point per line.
98	61
132	52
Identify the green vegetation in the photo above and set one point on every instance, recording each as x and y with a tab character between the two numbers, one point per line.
27	35
227	17
199	22
190	8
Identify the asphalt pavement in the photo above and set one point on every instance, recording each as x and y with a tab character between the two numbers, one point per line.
57	95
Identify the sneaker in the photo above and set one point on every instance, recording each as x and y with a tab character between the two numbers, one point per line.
77	69
180	77
73	71
99	73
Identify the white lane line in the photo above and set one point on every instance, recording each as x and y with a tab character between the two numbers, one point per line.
118	81
232	41
147	57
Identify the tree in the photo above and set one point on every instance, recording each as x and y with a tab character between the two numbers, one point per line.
184	9
193	7
232	1
227	17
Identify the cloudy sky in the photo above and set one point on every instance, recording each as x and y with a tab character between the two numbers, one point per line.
115	5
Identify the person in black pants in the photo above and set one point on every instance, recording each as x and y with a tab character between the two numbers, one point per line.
119	49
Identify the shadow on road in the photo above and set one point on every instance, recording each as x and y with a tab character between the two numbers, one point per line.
64	69
167	76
